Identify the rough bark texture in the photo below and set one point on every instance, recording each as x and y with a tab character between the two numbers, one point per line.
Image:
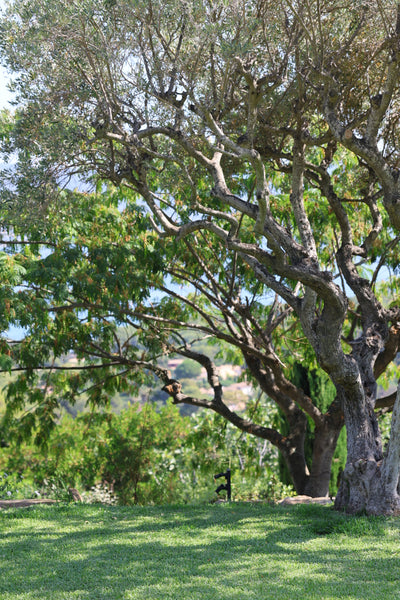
371	483
370	480
325	440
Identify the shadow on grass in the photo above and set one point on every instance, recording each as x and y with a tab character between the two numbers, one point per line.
228	552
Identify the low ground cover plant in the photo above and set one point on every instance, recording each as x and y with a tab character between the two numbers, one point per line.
236	551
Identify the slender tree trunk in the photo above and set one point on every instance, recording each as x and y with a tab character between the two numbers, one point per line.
293	454
325	441
313	481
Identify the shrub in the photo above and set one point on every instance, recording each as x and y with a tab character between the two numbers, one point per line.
148	456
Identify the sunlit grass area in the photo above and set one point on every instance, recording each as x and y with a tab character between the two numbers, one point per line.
219	552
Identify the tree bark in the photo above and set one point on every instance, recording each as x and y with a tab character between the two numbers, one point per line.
292	450
386	498
313	481
325	441
370	482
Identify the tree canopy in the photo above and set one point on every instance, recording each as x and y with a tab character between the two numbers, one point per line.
252	149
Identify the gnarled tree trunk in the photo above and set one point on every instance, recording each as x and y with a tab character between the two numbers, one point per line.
370	481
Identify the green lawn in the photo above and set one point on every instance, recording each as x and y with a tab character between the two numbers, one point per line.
220	552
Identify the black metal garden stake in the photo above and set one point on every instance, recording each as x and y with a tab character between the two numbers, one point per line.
224	486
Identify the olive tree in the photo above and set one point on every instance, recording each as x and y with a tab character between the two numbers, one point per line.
260	136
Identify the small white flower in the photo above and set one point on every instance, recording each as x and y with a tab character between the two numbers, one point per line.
9	493
37	493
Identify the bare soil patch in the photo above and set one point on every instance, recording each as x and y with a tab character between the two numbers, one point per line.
293	500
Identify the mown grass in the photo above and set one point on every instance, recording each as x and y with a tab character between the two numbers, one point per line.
220	552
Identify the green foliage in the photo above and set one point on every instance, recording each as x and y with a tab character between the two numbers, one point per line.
98	262
213	445
148	456
8	485
14	486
